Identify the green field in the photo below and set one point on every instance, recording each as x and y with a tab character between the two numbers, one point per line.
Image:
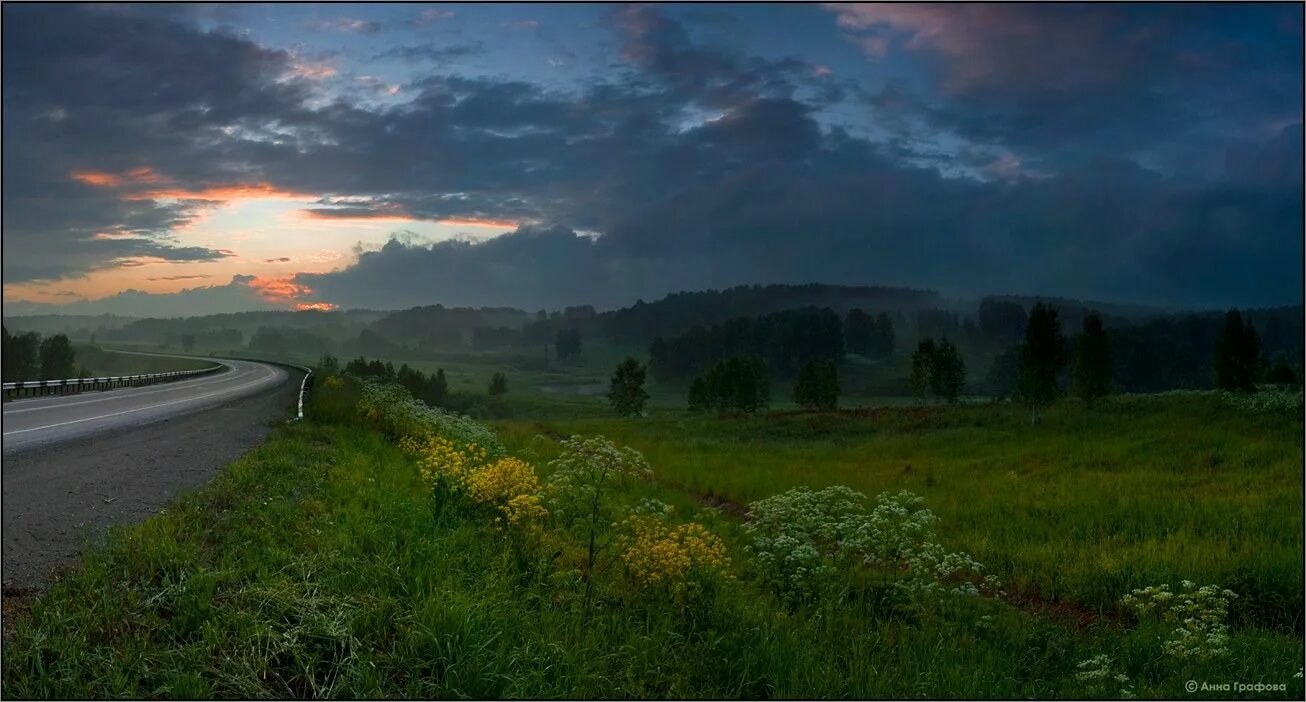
321	565
101	362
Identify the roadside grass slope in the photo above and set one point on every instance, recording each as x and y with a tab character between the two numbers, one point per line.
321	565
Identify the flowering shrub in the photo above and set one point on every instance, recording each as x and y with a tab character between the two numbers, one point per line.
802	536
580	487
799	533
899	534
1279	400
1198	614
523	509
512	486
440	460
658	556
1100	678
389	408
588	466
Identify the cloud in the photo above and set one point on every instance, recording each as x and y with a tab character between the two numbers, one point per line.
346	24
431	16
1063	83
690	166
439	55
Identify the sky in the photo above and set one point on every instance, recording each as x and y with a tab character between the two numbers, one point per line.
190	159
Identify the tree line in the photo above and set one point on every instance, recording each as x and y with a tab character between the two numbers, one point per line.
783	341
29	357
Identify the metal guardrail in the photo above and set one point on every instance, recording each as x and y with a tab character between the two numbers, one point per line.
304	386
30	388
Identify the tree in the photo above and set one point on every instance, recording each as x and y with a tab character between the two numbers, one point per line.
187	342
883	339
437	389
737	384
1281	373
859	332
1043	357
626	392
57	358
498	384
921	360
700	400
817	386
7	356
22	359
414	381
567	344
328	365
947	372
1237	354
1092	361
1004	374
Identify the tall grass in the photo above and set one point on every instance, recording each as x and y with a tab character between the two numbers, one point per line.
1084	507
318	566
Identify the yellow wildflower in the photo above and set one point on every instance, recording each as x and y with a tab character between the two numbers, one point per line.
658	556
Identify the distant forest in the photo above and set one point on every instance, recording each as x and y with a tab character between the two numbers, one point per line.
684	334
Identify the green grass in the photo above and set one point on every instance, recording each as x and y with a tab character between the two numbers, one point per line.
101	362
319	566
1082	508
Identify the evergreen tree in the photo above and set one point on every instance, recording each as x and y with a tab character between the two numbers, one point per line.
414	381
700	399
1043	358
23	360
921	360
947	372
817	385
1092	361
738	384
859	332
437	389
57	358
498	384
884	337
1281	373
1237	354
626	391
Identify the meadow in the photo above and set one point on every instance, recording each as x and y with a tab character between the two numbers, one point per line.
101	362
344	558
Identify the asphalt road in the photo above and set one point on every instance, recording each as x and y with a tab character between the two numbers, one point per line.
74	465
42	421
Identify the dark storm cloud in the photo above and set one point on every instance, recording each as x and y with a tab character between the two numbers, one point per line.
694	168
1065	82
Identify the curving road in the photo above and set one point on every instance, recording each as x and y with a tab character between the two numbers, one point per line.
41	421
75	465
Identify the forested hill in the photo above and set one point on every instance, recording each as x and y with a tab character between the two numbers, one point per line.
680	311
